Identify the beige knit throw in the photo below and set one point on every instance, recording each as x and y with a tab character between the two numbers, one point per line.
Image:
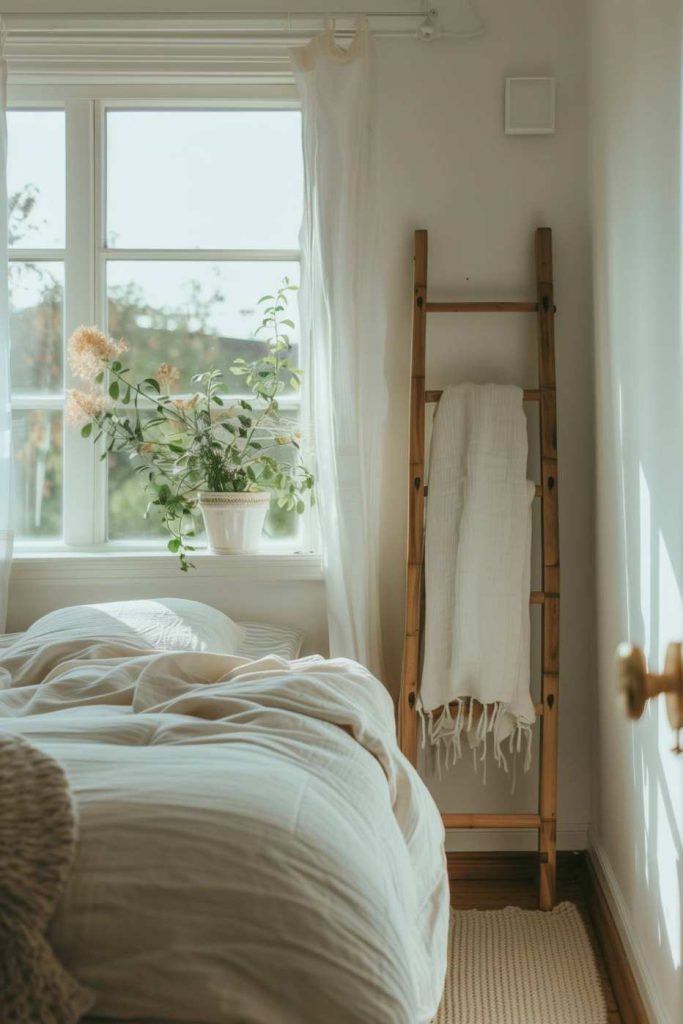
37	847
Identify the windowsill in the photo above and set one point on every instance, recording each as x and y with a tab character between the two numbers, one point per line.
130	562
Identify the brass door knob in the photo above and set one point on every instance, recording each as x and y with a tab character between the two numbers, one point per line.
637	686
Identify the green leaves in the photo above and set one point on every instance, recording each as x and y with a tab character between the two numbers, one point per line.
86	431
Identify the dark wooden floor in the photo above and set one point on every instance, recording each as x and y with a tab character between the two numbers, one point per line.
491	882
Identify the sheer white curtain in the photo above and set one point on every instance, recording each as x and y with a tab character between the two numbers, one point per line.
5	409
344	319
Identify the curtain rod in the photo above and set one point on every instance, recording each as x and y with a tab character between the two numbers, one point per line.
422	24
29	16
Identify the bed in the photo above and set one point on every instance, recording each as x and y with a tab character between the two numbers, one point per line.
253	847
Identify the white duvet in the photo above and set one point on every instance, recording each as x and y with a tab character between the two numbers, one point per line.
253	846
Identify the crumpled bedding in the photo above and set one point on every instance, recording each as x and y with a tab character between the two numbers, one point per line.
253	846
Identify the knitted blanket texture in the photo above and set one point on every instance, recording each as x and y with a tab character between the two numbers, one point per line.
38	834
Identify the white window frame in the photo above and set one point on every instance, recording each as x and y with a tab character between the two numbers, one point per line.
85	258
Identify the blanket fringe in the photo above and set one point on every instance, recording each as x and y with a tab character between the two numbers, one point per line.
443	732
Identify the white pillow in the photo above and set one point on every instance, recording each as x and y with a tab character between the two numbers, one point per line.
165	624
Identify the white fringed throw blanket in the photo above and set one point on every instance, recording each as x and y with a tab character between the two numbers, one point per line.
477	575
37	846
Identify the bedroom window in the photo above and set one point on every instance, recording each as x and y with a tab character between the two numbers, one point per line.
164	225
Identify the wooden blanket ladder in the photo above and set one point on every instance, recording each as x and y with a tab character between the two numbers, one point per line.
544	821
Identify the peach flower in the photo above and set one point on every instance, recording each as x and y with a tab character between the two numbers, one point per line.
90	350
167	374
83	406
186	403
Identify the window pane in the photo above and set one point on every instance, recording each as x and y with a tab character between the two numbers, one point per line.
36	294
37	442
36	178
185	179
196	316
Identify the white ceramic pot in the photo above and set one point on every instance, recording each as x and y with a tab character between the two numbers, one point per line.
234	522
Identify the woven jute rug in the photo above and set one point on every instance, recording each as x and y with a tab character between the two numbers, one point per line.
521	967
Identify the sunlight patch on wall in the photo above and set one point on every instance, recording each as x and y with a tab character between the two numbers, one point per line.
645	547
670	788
670	617
647	805
669	885
622	488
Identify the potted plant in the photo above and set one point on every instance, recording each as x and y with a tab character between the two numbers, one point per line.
195	454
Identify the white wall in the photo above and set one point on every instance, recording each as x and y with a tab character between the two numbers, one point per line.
638	807
448	167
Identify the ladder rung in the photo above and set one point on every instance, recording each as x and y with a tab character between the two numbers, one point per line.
491	820
482	307
478	709
530	395
538	492
539	596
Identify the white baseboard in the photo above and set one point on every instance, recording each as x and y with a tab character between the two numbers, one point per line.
570	836
638	962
